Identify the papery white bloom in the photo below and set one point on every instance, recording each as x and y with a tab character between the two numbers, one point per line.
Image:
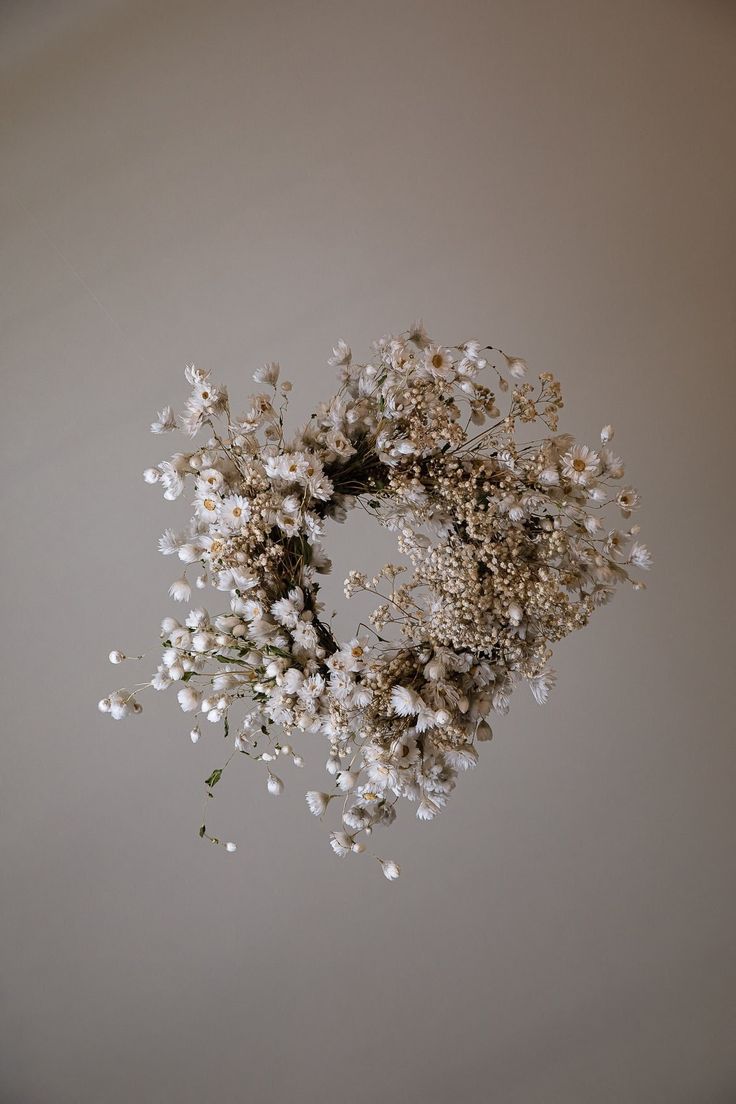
104	705
640	556
580	464
231	847
391	869
180	590
404	702
341	354
347	780
317	802
116	656
189	698
151	475
234	511
341	843
269	373
165	421
628	499
462	757
606	434
169	542
541	685
516	366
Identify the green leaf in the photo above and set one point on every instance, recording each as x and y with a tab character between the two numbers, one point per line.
214	778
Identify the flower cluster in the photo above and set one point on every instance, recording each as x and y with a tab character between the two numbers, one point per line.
506	550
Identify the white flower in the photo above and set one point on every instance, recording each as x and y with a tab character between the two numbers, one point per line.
418	334
231	847
640	556
438	362
462	757
274	784
234	512
269	373
151	475
165	421
317	802
606	434
189	698
104	705
180	590
516	366
169	542
341	843
195	734
580	464
391	869
404	702
116	656
341	354
347	780
628	499
541	685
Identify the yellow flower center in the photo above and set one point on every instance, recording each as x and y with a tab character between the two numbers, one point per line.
209	504
578	464
237	511
437	360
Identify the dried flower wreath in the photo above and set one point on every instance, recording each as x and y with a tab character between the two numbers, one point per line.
505	536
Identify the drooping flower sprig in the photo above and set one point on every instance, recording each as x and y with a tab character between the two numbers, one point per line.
508	547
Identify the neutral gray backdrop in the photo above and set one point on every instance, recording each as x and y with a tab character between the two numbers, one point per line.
235	182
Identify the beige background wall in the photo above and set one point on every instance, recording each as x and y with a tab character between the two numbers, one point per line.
235	182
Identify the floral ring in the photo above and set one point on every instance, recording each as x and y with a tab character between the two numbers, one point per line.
505	546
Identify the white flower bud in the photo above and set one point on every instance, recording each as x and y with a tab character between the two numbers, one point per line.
274	784
515	613
391	869
152	475
333	765
116	656
231	848
442	718
168	625
358	848
195	734
606	434
298	761
104	705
